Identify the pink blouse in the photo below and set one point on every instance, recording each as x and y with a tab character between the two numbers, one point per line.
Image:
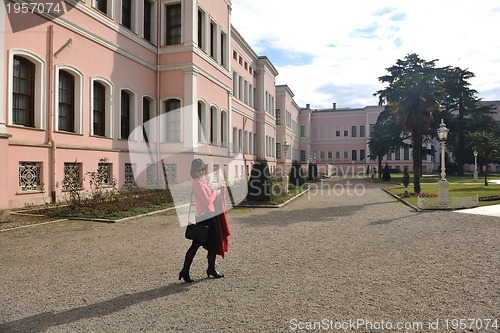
203	196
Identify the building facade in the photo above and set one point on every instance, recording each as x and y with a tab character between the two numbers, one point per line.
336	139
135	88
139	89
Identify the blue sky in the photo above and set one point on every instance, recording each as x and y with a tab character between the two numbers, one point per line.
330	51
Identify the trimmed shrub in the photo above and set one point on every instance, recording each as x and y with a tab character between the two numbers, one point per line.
313	171
406	177
259	184
386	174
297	177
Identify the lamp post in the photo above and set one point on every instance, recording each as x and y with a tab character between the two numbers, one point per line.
475	165
443	192
285	173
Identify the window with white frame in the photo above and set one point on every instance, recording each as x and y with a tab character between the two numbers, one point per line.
213	125
172	119
147	115
126	113
235	85
302	155
173	24
30	178
105	6
128	13
223	49
69	96
362	155
201	28
27	85
362	131
216	173
148	27
213	39
202	124
224	123
101	108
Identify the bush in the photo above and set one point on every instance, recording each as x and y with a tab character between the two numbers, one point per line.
406	177
313	171
386	174
259	184
297	177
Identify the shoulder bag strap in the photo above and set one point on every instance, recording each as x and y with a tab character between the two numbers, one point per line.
191	204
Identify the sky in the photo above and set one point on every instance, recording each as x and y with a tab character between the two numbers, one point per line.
331	51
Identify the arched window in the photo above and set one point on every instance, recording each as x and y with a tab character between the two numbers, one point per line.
147	115
69	97
23	92
202	122
240	141
125	114
224	128
101	117
99	109
235	140
213	126
173	119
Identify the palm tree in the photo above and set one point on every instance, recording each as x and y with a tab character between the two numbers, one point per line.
413	94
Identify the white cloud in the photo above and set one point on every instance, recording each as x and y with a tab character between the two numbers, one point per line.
353	42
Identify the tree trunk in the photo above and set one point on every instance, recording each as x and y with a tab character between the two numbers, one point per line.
461	139
380	166
416	139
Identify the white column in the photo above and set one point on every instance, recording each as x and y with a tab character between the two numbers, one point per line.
189	111
190	21
3	61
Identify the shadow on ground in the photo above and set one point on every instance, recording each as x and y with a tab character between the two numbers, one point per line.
289	217
42	321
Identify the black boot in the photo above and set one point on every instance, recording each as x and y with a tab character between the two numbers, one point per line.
184	273
211	265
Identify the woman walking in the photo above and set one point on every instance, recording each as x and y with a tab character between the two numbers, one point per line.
204	199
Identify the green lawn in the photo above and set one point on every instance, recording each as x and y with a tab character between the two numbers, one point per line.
456	190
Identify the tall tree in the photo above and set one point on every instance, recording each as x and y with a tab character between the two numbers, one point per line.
413	94
460	102
386	136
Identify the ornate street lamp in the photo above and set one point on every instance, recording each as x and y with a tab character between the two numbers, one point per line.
285	150
443	192
285	173
475	165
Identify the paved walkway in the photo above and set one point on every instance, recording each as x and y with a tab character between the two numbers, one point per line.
492	210
344	254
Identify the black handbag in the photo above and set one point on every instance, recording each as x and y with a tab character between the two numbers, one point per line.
194	231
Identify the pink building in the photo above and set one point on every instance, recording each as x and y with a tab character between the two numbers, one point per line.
337	140
132	87
139	89
287	128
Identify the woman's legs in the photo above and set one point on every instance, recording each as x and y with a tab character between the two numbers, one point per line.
213	245
191	252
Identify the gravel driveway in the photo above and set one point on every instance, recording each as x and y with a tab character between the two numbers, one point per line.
345	258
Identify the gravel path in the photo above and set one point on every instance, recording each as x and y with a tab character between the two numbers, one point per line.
327	258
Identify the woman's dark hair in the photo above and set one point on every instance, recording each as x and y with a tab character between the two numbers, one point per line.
196	165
